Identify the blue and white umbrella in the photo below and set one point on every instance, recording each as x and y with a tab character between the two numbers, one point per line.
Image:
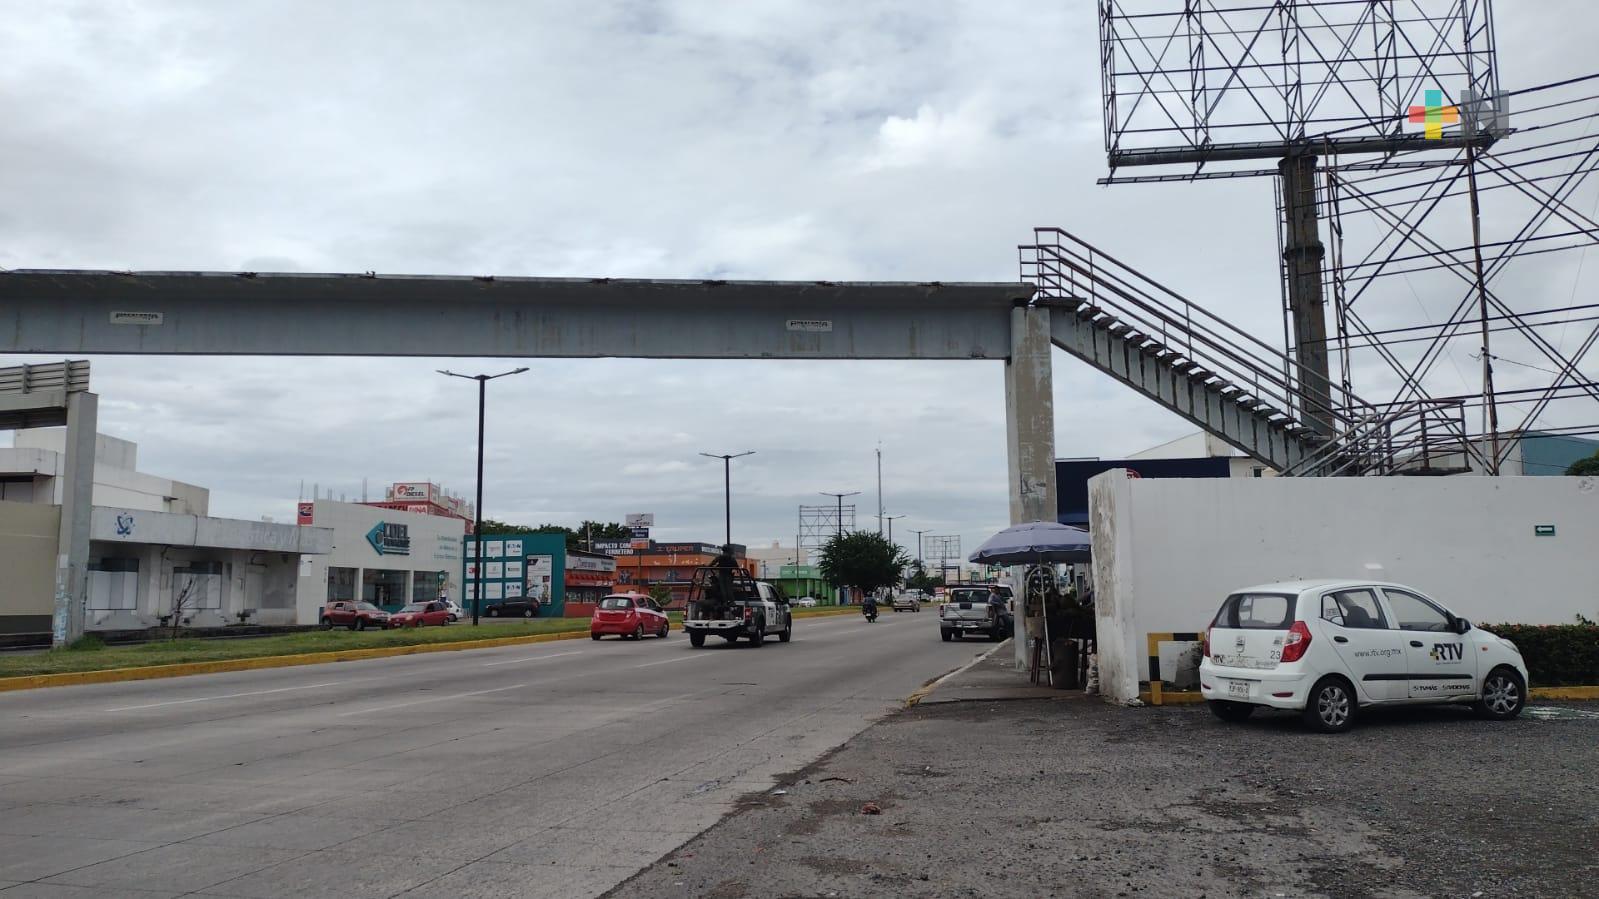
1034	542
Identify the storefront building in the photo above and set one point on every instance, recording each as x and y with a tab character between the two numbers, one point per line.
590	577
383	556
802	580
669	565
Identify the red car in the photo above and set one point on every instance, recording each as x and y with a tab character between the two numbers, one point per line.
419	613
357	616
629	615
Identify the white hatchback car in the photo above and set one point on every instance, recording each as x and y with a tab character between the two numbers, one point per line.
1328	648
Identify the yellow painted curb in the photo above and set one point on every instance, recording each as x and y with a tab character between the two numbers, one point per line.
184	669
1167	697
1588	692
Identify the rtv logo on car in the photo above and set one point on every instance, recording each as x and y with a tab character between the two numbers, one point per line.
1448	652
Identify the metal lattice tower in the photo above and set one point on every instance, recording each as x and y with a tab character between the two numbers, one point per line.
819	524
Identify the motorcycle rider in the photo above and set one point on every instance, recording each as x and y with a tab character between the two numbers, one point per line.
869	606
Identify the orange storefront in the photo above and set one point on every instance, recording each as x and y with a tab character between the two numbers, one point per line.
667	564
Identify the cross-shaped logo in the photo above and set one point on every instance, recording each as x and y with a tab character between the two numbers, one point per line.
1434	115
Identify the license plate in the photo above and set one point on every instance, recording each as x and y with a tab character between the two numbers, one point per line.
1238	688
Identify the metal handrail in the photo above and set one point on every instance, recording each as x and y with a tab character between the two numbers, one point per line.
1367	438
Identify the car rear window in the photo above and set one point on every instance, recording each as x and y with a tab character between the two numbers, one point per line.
1256	611
615	602
968	596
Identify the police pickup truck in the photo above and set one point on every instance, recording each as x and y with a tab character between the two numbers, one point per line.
728	603
973	610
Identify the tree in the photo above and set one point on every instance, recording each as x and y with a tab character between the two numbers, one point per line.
1588	467
862	559
920	580
661	594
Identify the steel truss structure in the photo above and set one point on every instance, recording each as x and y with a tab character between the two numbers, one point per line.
1213	81
819	524
1450	254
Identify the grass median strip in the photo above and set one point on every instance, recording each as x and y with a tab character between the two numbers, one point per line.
91	661
92	657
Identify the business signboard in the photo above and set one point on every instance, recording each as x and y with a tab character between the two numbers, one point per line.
641	519
304	513
540	575
423	492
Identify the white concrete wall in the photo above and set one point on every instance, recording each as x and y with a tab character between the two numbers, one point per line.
1167	551
114	485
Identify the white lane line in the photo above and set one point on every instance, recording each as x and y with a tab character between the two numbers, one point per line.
401	705
152	705
669	661
530	659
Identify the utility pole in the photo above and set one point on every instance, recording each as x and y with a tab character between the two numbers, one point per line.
727	485
879	491
918	543
477	517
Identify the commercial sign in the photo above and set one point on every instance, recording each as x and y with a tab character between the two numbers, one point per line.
587	563
815	325
641	533
304	512
418	491
540	573
390	539
641	519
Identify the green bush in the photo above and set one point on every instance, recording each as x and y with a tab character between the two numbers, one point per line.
1556	654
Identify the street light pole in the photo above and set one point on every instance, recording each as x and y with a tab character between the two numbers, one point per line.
727	486
890	520
477	512
840	497
918	543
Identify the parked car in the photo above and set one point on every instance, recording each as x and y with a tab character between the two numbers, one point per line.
905	602
1327	649
629	615
805	602
454	609
357	616
525	606
418	614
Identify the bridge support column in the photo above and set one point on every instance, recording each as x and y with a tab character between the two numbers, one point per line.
77	506
1030	434
1302	257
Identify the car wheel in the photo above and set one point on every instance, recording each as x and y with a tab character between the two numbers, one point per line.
1231	711
1503	695
696	639
327	624
787	633
947	635
666	628
638	632
360	624
494	611
527	613
593	636
1330	708
759	636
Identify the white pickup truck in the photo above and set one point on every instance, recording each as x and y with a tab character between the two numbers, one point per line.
757	611
971	610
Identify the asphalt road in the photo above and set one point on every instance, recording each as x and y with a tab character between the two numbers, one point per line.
555	769
1068	796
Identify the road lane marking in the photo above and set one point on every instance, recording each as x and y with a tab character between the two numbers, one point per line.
152	705
530	659
401	705
670	661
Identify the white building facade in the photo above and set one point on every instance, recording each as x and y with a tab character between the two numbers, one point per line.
387	557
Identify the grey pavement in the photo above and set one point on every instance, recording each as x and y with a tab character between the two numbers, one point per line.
996	794
555	769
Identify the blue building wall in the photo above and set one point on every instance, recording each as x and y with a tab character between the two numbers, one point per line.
1548	454
552	545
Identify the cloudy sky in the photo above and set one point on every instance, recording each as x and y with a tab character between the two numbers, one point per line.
768	139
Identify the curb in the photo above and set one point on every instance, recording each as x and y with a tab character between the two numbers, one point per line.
184	669
927	689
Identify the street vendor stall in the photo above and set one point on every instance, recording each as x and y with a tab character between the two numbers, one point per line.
1057	625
